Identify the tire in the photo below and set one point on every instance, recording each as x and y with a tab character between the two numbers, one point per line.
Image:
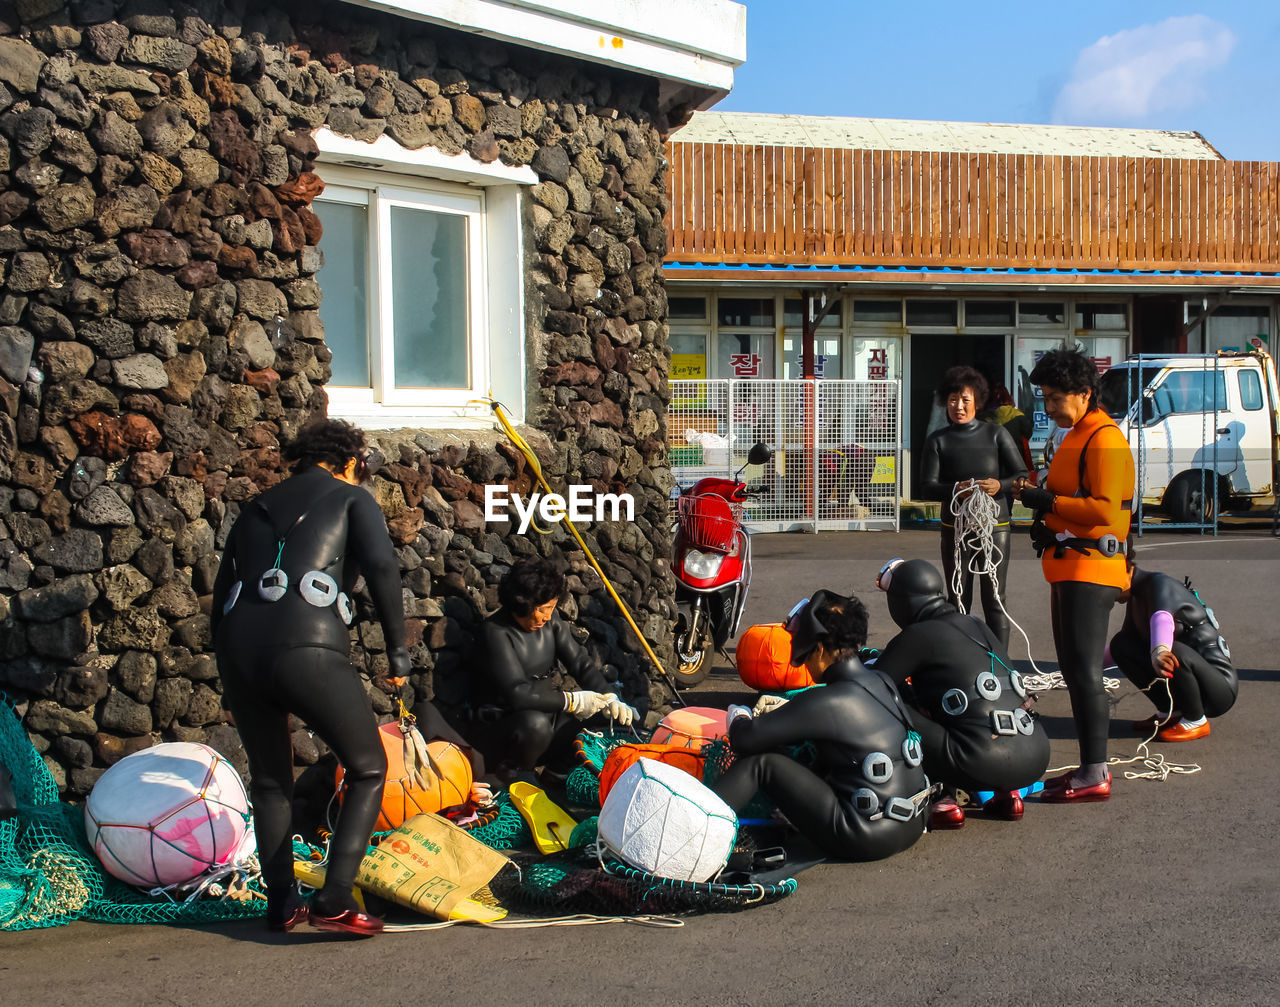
1187	501
693	662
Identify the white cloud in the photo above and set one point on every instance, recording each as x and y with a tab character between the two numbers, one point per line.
1123	78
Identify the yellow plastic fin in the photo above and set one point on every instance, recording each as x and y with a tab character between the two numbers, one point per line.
551	824
470	909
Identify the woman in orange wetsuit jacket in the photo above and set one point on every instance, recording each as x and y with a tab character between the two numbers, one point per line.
1082	526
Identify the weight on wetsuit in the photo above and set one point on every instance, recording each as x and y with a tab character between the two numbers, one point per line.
973	450
289	656
857	722
1205	683
974	730
522	679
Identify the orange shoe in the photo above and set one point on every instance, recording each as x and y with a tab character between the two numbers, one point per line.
1176	732
1059	791
1145	727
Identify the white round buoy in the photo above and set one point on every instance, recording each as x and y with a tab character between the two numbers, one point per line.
660	819
167	814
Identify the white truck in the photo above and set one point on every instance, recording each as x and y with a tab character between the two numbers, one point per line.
1192	420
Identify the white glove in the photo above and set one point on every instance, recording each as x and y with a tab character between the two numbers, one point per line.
585	704
481	794
767	704
733	713
620	711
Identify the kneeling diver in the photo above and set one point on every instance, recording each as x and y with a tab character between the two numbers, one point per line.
1168	632
865	797
974	728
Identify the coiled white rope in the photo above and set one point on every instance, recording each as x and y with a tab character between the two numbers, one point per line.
976	516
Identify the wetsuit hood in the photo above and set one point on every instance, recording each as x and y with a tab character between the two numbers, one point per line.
916	592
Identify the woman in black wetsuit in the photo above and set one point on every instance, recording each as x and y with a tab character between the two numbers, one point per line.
280	616
865	797
974	728
523	641
1169	633
969	456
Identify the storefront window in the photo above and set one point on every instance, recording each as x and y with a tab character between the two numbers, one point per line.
745	311
932	313
744	355
1102	316
688	355
692	308
878	311
793	317
1239	327
1042	313
826	355
990	313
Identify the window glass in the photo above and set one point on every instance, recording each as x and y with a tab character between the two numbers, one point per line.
931	313
1238	327
988	313
1250	390
688	355
1102	316
826	355
1042	313
878	311
687	307
344	280
792	316
429	298
744	311
744	355
1190	392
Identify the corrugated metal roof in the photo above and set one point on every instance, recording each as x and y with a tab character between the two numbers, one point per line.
961	137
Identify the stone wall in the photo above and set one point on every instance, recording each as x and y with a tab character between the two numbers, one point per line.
159	337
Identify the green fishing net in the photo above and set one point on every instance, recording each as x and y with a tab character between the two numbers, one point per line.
49	876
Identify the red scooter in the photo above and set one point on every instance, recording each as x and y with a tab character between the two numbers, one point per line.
712	566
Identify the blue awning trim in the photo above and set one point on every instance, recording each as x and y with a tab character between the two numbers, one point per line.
811	270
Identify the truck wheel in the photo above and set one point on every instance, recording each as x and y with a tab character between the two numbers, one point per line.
1190	499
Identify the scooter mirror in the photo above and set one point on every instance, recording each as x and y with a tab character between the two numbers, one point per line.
759	454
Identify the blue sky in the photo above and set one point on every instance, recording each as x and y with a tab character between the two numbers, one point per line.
1210	67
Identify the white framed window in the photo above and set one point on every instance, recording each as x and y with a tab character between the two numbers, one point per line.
423	284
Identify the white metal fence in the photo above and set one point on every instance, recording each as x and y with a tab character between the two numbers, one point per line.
837	448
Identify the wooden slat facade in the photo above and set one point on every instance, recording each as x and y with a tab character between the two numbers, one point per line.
824	206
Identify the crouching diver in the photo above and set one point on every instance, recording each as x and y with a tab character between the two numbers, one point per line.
279	619
975	730
523	640
1168	632
865	797
1081	532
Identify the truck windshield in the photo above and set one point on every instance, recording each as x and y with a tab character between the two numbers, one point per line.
1122	386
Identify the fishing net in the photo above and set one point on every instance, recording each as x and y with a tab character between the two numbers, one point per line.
582	787
49	877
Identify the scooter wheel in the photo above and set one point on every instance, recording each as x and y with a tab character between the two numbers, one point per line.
692	668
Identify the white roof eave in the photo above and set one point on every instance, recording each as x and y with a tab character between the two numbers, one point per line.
694	43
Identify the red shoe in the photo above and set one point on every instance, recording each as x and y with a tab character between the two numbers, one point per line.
946	816
1176	732
1147	726
1007	806
296	914
349	921
1059	791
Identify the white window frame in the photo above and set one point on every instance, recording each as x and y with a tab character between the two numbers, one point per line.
488	196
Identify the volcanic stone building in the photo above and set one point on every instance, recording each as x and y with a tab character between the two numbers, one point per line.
479	204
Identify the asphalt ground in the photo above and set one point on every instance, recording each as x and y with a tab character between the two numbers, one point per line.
1167	894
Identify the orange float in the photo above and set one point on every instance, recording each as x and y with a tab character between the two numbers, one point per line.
415	785
764	660
689	727
624	756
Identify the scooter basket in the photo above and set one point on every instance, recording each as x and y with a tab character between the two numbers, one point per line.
709	522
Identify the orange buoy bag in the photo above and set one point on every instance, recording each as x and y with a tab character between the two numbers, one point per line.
764	660
423	777
689	727
622	758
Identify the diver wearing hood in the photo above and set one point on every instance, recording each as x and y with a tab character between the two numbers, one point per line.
1169	632
974	728
865	797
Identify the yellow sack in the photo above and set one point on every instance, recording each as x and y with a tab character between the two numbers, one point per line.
431	865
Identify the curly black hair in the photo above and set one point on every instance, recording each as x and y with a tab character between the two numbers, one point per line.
845	619
530	584
1068	370
334	442
957	379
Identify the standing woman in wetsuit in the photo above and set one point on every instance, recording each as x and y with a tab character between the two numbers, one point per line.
280	616
969	456
1087	496
866	794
